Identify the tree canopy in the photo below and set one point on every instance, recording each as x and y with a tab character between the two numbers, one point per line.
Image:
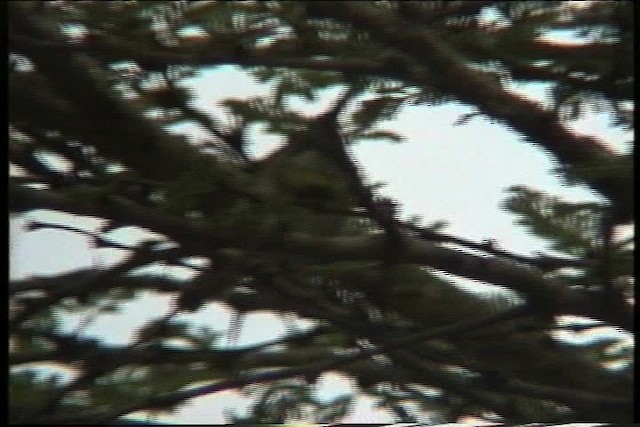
97	95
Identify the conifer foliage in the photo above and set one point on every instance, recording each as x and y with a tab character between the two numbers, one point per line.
97	93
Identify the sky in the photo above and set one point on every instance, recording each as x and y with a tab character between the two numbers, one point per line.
441	171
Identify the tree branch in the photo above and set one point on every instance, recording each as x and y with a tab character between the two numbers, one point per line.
197	237
472	87
311	369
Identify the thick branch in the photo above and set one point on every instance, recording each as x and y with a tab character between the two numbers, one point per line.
206	240
119	131
472	87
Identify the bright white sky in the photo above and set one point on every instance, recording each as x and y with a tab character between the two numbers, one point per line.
458	174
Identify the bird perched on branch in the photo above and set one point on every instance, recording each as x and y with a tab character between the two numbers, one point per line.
309	170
